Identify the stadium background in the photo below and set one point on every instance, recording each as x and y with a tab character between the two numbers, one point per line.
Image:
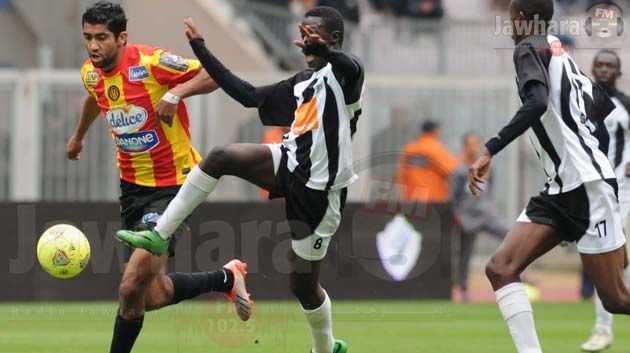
448	66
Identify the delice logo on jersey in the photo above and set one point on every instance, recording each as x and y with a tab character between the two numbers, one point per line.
126	119
138	73
137	142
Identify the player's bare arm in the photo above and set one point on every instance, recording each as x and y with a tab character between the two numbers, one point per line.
166	108
89	113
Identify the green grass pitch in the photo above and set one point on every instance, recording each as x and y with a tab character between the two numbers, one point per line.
279	327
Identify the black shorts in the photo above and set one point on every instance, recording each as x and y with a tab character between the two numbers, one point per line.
313	215
140	206
588	215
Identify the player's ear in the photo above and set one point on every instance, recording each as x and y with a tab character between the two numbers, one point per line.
122	38
337	37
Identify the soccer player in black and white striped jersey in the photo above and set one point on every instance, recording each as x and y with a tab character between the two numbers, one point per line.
311	169
606	70
562	108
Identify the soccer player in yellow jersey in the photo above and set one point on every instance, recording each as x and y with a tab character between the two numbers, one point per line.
139	90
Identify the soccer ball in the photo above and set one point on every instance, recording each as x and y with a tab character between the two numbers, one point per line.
63	251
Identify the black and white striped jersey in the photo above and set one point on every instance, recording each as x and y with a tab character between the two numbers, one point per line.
323	108
618	126
565	136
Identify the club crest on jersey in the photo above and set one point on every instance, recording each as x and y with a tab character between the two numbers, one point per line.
91	78
138	73
174	62
126	119
137	142
113	93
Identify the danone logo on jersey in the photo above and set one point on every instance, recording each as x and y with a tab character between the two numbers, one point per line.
137	142
126	119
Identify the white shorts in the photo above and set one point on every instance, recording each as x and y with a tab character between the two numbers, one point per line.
588	215
313	215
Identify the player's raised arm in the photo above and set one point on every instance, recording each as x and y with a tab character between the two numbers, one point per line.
89	113
240	90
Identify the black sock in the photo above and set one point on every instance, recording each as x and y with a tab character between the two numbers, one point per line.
190	285
125	334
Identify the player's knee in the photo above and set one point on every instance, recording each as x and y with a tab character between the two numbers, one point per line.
499	269
217	161
133	286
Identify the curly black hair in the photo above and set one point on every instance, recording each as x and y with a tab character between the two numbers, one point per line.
332	20
107	13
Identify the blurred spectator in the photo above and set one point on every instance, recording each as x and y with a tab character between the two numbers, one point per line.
500	6
473	214
411	8
424	167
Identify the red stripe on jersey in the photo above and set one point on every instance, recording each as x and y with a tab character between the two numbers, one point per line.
164	169
126	168
182	113
166	77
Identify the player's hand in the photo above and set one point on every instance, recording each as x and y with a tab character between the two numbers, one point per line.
477	171
311	38
191	29
165	111
74	148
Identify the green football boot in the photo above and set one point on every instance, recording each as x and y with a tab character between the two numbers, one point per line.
340	347
148	240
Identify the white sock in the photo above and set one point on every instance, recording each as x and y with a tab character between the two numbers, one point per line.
320	320
603	319
195	190
518	314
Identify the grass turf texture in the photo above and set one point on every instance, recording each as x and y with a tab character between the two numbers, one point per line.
279	327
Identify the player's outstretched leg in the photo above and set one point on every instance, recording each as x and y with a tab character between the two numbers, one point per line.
145	287
316	305
524	243
252	162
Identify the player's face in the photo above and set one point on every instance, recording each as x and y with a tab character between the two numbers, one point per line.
102	45
315	23
606	69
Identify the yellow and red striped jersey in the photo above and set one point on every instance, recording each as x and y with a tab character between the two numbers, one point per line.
150	153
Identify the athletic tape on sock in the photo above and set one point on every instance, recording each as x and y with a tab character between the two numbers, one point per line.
201	180
512	299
